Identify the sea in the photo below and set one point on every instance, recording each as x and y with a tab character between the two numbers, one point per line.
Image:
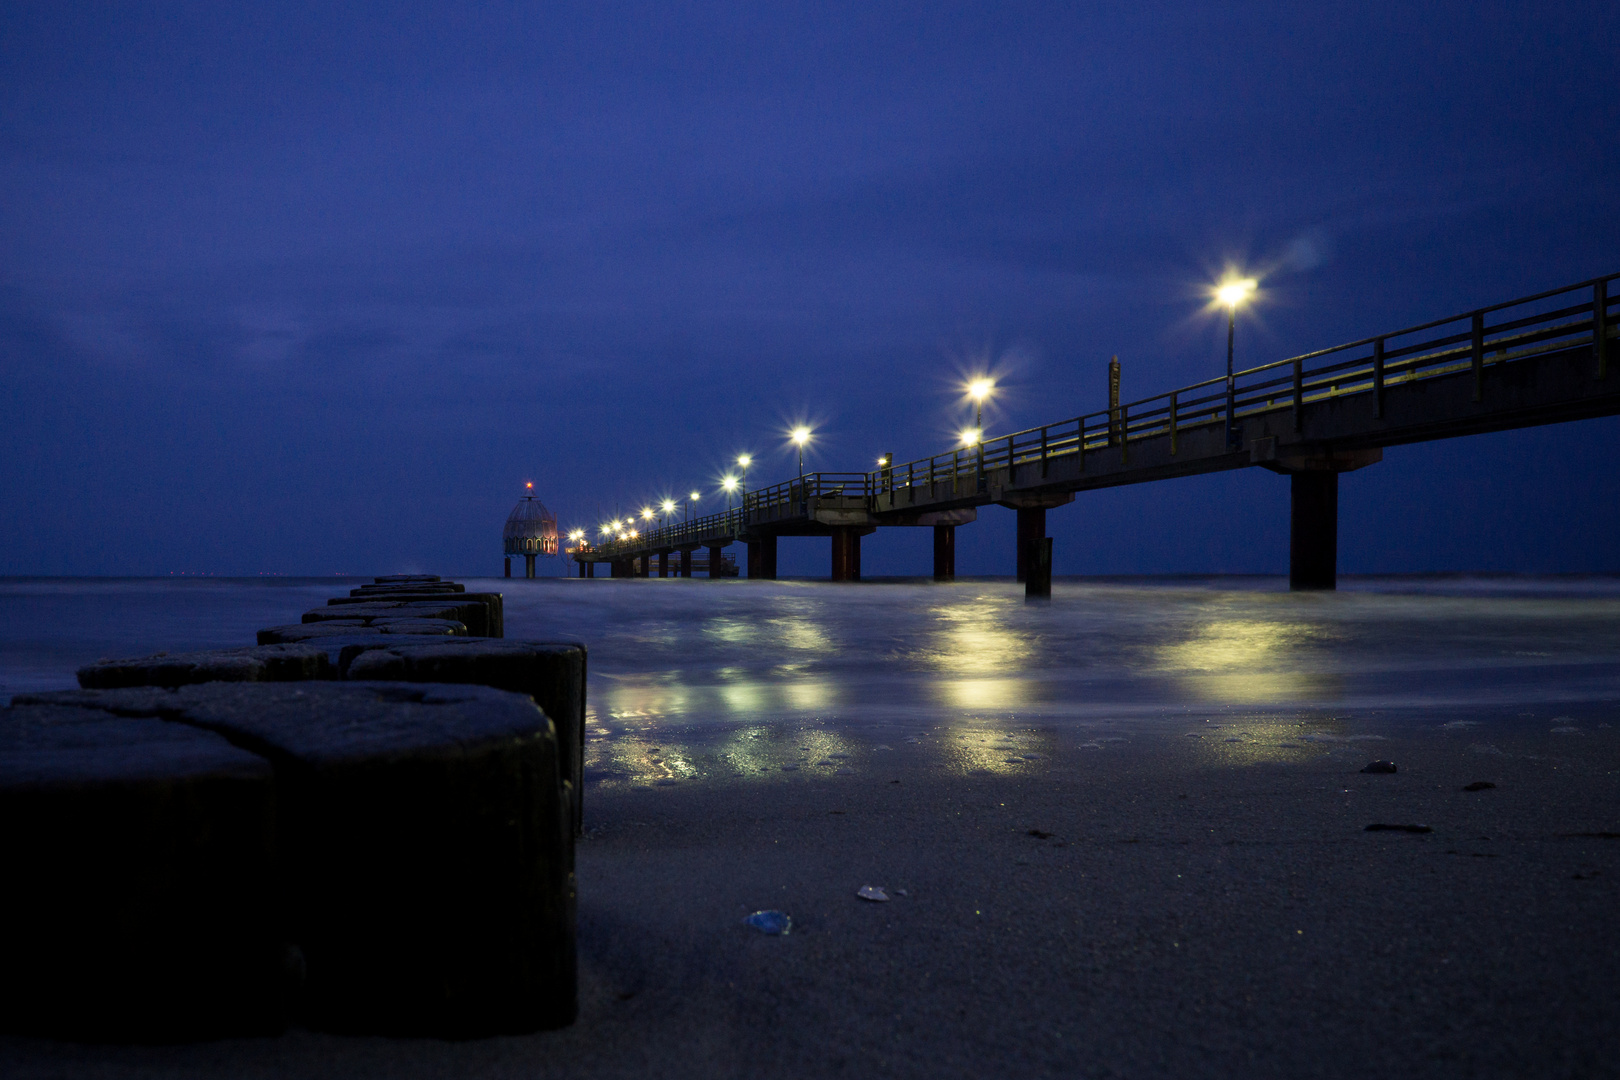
801	673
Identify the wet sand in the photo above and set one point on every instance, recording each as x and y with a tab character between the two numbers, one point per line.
1188	900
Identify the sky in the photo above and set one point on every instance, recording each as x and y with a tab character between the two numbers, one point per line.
315	288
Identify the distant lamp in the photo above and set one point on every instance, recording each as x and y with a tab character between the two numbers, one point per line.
970	436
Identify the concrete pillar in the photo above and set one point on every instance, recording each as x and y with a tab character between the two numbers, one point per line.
590	569
509	566
528	566
846	553
714	561
762	558
663	564
1038	569
944	552
644	566
1031	526
686	562
1313	533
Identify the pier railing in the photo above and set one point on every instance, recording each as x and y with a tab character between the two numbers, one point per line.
1470	342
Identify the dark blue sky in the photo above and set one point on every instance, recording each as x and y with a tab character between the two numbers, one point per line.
310	288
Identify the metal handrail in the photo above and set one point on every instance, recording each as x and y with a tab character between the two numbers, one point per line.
1278	386
1288	385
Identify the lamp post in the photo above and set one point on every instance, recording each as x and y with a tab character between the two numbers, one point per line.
1232	292
801	435
668	508
730	484
743	461
691	499
978	390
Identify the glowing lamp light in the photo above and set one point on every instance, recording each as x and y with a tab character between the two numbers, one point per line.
882	461
729	483
1235	291
979	389
801	435
669	506
744	460
696	496
530	485
970	436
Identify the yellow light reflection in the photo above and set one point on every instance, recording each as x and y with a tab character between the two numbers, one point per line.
807	695
982	693
1251	661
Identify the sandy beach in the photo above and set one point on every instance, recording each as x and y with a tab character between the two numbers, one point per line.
1198	899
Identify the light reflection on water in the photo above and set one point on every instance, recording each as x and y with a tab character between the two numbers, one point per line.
794	679
773	679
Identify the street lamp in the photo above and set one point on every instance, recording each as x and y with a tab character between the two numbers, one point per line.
668	508
686	510
970	437
1232	292
978	390
801	435
730	484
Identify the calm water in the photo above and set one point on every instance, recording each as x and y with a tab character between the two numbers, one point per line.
706	664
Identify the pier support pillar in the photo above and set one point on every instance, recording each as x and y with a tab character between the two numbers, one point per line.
762	557
846	553
528	566
1313	530
1031	527
714	561
1038	569
663	563
944	552
686	562
1313	516
644	566
509	566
